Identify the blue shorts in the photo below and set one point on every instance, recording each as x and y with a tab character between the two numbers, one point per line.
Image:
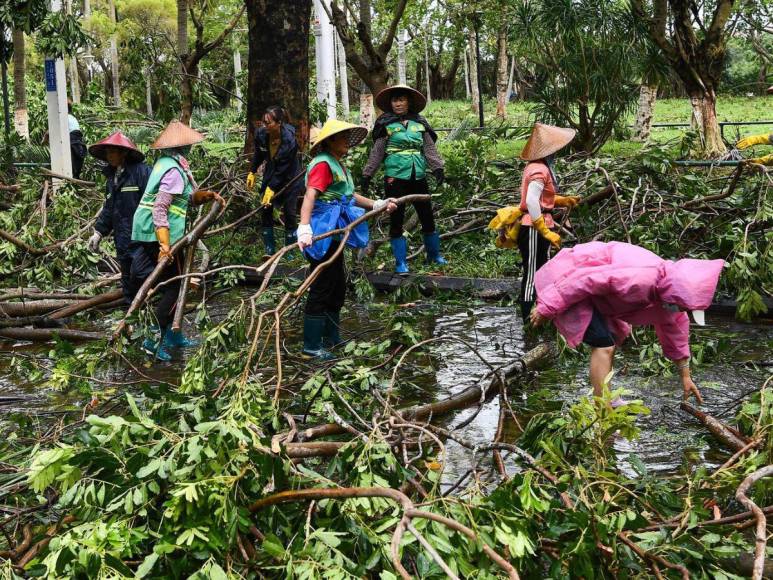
597	334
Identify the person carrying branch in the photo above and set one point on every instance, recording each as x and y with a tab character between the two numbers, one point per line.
751	141
127	175
405	142
595	292
539	195
275	144
160	221
330	203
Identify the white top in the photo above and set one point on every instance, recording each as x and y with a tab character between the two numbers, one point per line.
72	123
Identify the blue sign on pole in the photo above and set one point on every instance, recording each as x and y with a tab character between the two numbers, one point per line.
50	68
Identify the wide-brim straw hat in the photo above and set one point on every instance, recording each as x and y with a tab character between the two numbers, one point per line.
770	90
546	140
333	127
416	100
177	134
117	139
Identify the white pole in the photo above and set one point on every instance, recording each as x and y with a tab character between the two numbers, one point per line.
237	82
402	38
426	70
510	80
466	76
323	33
56	102
343	78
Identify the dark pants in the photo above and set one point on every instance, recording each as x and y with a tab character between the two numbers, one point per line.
289	204
534	253
328	292
144	261
126	278
597	334
78	153
396	188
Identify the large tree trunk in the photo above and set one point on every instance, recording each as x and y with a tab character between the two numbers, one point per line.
473	71
502	71
148	92
114	57
20	116
704	121
643	124
288	68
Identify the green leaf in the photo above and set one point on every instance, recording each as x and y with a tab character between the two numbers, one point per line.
147	565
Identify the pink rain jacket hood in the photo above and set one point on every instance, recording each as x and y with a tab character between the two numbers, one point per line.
628	285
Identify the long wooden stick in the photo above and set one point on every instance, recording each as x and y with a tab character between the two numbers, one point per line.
179	311
190	238
82	305
724	433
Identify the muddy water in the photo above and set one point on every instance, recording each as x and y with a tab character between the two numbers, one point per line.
668	438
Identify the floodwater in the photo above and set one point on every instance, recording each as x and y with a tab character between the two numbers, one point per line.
669	438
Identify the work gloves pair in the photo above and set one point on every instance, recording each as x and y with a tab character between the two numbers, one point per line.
439	174
753	140
268	195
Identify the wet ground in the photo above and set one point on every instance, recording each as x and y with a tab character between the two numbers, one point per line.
668	438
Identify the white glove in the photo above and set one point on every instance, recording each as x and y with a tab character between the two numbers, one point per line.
93	243
378	204
304	234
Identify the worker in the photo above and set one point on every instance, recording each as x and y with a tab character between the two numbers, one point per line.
405	142
594	292
77	146
160	221
752	140
127	175
275	144
531	224
330	203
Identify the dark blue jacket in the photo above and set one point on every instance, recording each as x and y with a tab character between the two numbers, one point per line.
123	197
285	164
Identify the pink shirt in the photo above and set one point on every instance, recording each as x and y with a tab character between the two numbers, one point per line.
171	184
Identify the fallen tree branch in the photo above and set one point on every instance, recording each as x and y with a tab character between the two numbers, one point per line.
724	433
82	305
761	539
46	334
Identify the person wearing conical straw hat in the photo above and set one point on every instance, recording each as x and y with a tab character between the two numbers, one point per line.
127	175
330	203
539	195
160	221
405	142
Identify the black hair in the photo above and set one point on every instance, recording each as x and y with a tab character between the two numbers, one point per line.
279	114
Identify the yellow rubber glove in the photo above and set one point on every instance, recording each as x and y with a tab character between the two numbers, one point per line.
544	231
567	200
764	160
507	222
752	140
268	195
250	180
162	235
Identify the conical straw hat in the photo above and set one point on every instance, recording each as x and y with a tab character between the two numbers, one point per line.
546	140
177	134
416	100
333	127
117	139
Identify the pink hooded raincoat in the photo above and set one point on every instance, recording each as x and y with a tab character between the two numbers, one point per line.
628	285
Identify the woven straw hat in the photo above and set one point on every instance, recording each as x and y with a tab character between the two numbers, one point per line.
416	100
546	140
117	139
177	134
770	90
332	127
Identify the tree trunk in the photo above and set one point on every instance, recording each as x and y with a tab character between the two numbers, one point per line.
20	116
186	74
502	71
148	93
643	124
426	70
367	110
114	57
510	80
401	72
288	69
466	75
704	121
473	72
343	76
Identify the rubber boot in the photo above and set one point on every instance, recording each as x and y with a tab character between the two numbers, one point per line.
313	331
156	350
400	252
526	306
268	241
290	238
332	336
175	338
432	246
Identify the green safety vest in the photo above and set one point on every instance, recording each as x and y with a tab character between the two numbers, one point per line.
143	229
405	151
342	186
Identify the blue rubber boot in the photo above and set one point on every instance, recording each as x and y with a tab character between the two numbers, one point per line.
290	238
332	337
313	331
400	252
432	246
268	241
175	338
156	350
